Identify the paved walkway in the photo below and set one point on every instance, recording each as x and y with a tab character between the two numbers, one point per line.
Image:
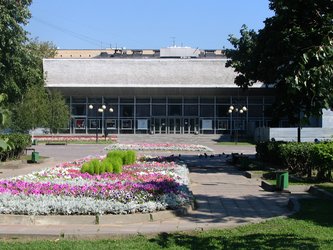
224	197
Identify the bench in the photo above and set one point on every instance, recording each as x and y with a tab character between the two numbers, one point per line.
56	143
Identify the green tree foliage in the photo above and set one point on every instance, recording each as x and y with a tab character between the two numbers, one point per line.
13	57
4	112
41	109
58	112
35	52
32	111
293	53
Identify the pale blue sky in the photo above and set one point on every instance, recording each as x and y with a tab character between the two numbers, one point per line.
143	24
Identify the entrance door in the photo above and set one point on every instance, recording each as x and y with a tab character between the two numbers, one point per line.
175	125
189	125
160	125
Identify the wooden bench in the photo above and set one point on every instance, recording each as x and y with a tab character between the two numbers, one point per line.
56	143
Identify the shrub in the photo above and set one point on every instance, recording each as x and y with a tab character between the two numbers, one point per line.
109	168
102	168
113	163
91	169
116	154
129	157
322	156
298	158
106	166
85	167
13	145
116	164
270	151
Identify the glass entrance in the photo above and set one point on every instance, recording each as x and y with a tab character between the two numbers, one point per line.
159	125
189	125
175	125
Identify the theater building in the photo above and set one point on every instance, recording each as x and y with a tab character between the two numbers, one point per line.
176	90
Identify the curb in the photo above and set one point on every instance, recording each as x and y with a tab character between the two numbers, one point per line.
267	186
9	219
293	205
315	190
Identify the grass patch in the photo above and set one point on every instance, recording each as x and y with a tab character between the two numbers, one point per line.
311	228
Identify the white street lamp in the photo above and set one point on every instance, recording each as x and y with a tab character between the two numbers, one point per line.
237	110
99	110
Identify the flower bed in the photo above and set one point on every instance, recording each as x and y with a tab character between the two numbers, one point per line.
159	146
141	187
70	138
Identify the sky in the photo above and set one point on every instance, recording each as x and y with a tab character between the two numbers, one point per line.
143	24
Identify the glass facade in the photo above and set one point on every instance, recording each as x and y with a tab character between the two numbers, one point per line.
168	115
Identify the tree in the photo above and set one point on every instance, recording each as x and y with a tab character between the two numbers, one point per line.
4	112
59	114
32	111
41	109
294	54
36	51
13	57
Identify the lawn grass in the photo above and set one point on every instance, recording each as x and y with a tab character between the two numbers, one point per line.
311	228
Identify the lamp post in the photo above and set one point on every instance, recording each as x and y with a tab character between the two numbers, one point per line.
105	129
91	107
237	110
99	110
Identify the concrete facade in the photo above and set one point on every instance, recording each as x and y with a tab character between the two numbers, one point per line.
151	94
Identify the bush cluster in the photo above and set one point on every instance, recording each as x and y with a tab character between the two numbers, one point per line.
303	159
269	151
112	163
12	145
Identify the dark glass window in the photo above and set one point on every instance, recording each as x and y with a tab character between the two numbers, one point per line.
193	100
94	100
142	110
126	110
111	100
207	100
224	100
255	100
142	100
175	110
255	110
191	110
78	100
175	100
78	109
159	100
222	110
159	110
207	110
126	100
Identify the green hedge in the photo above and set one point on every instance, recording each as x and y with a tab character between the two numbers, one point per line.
303	159
269	151
298	157
113	163
12	145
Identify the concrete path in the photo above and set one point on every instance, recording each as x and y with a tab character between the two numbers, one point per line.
224	197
